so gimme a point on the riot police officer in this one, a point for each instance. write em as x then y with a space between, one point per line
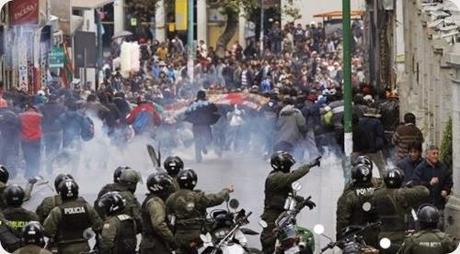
66 223
354 206
48 203
173 165
119 231
428 239
32 239
129 179
115 186
277 189
367 162
16 216
394 204
187 208
157 236
4 176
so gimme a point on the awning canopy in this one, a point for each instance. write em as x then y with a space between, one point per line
355 14
89 4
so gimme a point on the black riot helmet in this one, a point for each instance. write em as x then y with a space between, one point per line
361 174
160 183
428 216
68 190
130 178
112 203
173 165
4 174
393 178
187 179
282 161
363 160
61 178
117 173
14 195
33 233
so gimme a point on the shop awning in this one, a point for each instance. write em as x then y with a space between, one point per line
89 4
355 14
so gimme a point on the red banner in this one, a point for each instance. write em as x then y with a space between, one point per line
24 12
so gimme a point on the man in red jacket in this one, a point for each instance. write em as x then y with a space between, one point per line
31 134
143 117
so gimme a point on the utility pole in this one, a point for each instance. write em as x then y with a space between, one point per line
190 41
348 128
99 46
262 26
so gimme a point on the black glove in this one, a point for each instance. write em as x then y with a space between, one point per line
315 162
310 204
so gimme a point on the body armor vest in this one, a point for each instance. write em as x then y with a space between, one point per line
126 240
75 220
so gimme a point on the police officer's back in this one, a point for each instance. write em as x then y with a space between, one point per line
351 206
32 239
188 208
393 206
16 216
428 239
277 189
66 223
157 236
129 179
48 203
119 231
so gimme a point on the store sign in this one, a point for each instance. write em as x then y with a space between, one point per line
56 58
24 12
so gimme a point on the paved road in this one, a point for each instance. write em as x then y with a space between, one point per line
245 171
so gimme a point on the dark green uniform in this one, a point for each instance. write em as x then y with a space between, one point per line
118 235
133 209
350 212
277 189
31 249
157 236
45 207
67 222
189 208
394 208
17 218
429 241
376 183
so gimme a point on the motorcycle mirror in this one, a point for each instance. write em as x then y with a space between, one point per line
367 206
318 229
385 243
263 224
234 203
296 186
88 234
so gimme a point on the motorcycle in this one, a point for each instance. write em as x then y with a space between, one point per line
352 241
291 238
226 234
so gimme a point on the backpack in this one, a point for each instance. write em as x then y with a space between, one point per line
142 122
87 129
